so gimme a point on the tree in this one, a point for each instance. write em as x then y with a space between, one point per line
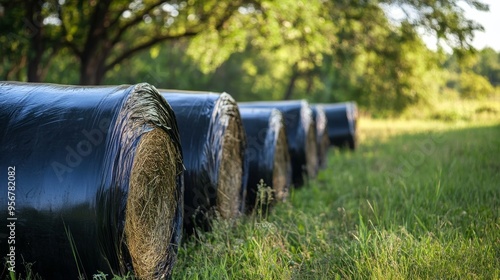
102 34
475 76
293 33
268 54
443 18
21 40
304 35
488 65
473 86
385 67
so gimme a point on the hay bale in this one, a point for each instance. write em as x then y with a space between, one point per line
321 134
342 123
267 153
213 143
98 175
301 134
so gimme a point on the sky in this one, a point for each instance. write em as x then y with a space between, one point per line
491 23
490 20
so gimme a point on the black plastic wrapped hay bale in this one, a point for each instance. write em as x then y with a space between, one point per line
96 177
213 142
321 134
342 119
301 134
267 153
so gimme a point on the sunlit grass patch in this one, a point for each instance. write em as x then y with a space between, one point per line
417 200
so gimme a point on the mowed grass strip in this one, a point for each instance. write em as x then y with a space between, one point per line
417 200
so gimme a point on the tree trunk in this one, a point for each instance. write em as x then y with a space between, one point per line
96 48
34 24
92 69
310 83
291 83
15 71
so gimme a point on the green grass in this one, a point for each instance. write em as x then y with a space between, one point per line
418 200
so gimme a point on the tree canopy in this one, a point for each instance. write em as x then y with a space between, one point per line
329 50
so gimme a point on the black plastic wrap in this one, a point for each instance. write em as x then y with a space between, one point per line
267 153
321 134
342 119
301 134
213 142
72 151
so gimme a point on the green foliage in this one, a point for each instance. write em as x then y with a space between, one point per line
488 65
14 41
103 276
364 58
386 71
290 38
450 107
473 86
64 71
254 49
473 76
24 273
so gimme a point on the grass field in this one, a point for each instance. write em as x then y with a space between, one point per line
417 200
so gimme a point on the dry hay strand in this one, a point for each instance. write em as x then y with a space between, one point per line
231 170
282 168
151 204
311 151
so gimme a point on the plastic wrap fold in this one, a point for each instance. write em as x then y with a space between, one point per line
90 165
321 134
213 142
301 134
342 119
267 153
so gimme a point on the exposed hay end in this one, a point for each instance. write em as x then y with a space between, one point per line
282 168
323 149
151 205
231 170
311 151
